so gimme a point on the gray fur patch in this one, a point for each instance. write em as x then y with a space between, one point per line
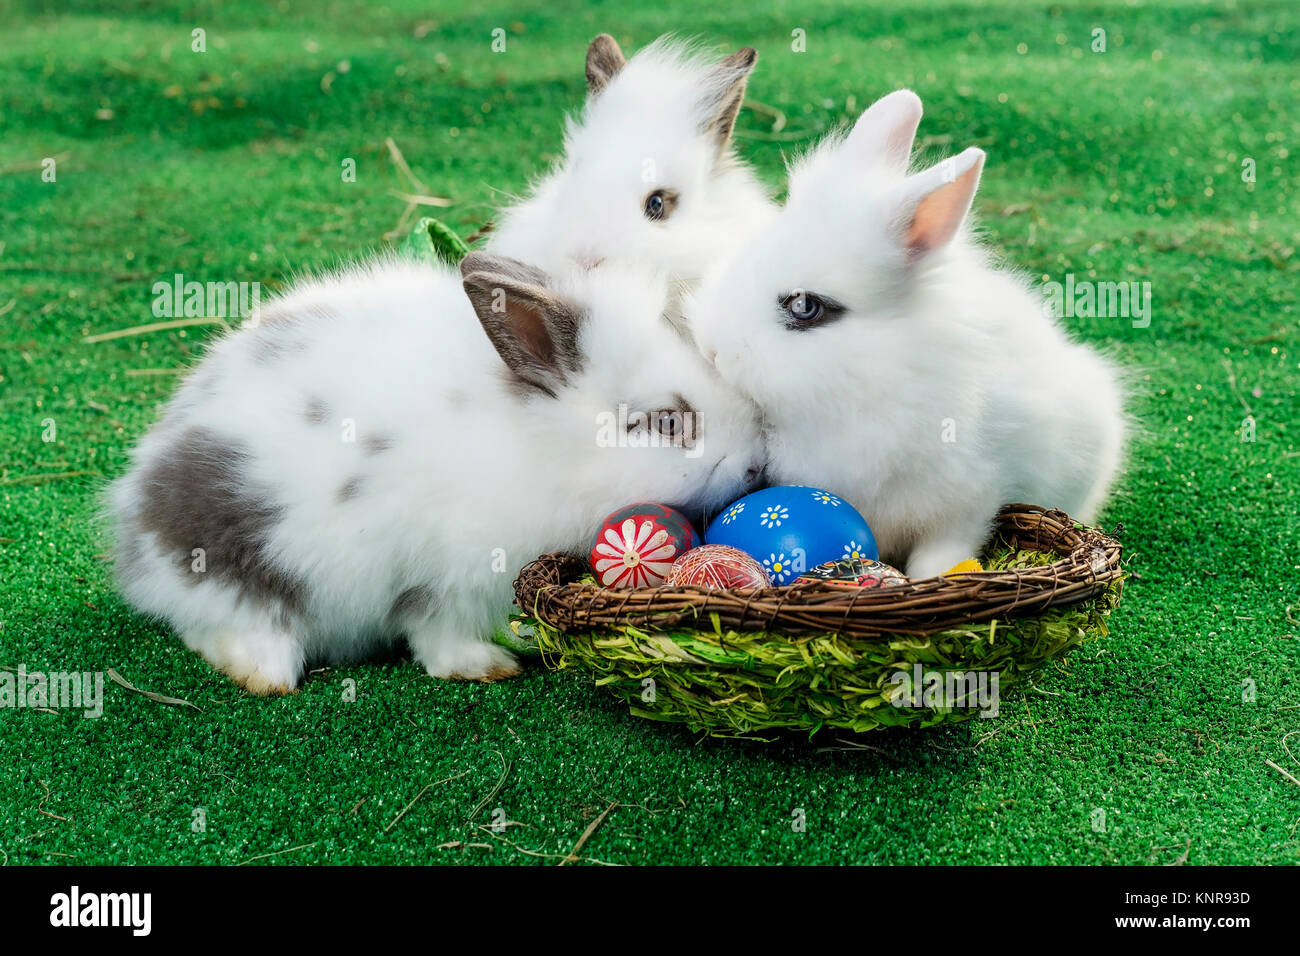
374 444
198 496
317 412
350 489
413 602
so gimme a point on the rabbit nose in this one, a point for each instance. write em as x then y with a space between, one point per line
754 476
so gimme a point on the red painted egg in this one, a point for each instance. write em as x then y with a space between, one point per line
637 545
718 566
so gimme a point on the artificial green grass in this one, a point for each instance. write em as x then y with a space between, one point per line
1123 165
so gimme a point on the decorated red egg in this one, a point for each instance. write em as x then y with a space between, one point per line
637 545
718 566
853 573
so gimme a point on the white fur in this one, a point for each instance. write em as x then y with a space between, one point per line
642 132
931 341
395 349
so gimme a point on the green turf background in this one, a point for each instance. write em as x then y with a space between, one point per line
1122 165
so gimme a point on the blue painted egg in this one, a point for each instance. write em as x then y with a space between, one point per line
790 529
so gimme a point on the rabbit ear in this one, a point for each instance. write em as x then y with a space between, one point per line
604 60
886 129
724 93
534 330
933 204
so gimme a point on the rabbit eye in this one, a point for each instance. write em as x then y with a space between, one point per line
659 204
670 424
807 310
677 426
804 307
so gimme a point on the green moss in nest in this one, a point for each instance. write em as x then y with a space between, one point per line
753 684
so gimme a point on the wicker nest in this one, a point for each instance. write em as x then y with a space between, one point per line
807 656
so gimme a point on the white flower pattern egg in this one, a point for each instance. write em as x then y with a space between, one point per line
792 528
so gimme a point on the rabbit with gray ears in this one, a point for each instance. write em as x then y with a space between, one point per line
648 173
896 364
365 465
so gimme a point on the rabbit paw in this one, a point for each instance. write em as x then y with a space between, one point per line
466 660
266 663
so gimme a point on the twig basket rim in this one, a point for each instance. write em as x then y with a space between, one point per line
1089 562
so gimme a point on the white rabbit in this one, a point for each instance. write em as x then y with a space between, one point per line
366 464
648 174
895 364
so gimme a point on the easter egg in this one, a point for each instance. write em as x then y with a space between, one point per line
964 567
853 573
790 528
637 545
718 566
